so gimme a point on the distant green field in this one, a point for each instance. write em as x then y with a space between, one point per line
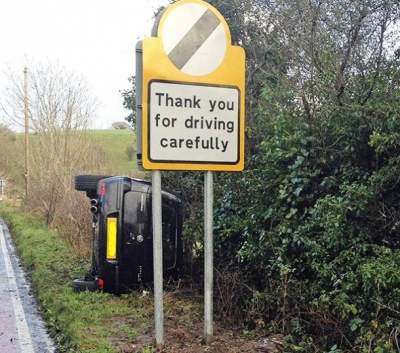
114 144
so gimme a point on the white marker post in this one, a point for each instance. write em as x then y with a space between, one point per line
1 189
157 257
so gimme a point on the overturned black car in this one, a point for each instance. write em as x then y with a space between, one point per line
122 250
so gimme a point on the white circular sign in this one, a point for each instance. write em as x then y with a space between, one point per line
194 39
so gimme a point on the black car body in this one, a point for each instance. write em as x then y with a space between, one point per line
123 234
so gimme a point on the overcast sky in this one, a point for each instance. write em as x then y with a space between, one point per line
94 38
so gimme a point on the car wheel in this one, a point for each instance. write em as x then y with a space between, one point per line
88 183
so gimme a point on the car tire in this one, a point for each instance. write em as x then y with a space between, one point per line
82 285
88 183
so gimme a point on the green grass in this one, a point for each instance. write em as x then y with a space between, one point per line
85 322
114 144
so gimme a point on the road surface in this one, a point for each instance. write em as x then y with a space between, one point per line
21 328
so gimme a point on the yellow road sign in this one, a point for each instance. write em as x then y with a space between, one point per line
193 92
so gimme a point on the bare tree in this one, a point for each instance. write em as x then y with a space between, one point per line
60 109
58 99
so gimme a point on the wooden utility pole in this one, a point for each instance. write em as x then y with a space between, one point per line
26 112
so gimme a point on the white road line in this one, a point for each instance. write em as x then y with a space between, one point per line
24 336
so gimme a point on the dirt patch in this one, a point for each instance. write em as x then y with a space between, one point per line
180 340
184 333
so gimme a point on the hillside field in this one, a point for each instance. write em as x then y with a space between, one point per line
114 143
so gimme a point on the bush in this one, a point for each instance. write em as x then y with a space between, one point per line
130 152
315 232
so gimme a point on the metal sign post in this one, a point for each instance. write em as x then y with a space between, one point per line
157 257
191 116
138 84
208 256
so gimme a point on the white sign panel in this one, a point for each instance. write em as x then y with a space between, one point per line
193 123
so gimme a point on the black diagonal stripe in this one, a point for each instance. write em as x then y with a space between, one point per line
194 39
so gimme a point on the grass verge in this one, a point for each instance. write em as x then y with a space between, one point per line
85 322
100 322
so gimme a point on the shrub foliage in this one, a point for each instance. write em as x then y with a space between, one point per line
307 237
